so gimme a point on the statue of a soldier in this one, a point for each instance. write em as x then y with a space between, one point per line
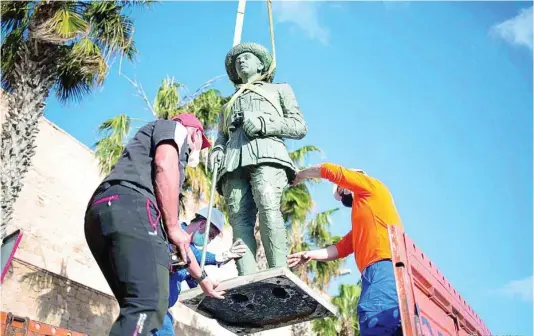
254 165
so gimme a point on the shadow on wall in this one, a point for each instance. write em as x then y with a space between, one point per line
70 305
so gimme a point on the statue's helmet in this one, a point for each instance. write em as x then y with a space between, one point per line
257 50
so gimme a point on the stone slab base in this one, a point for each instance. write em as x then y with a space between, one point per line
257 302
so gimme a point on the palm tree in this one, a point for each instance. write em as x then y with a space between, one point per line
346 323
64 46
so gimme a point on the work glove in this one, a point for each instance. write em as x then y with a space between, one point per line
253 126
215 156
237 250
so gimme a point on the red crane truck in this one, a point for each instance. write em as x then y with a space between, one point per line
429 305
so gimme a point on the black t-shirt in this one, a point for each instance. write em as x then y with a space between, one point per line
136 162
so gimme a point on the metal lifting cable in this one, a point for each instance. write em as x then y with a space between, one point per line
271 30
243 87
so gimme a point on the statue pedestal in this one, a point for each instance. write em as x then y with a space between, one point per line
257 302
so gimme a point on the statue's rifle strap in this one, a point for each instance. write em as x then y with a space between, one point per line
253 88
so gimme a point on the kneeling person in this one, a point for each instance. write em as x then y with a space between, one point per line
196 230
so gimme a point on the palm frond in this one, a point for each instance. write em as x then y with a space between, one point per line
72 82
110 29
116 128
15 15
11 47
318 228
323 272
299 155
58 22
109 148
90 60
137 3
296 203
66 24
326 326
167 99
346 323
206 106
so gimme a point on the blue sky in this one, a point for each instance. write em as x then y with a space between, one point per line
433 98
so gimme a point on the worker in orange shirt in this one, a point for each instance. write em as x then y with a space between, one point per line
373 210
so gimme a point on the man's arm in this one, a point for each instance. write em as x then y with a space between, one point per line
325 254
345 178
210 257
344 246
166 183
292 125
302 258
166 188
337 251
167 137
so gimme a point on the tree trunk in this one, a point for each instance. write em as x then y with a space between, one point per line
346 329
32 79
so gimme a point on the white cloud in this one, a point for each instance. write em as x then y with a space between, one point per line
521 289
304 15
517 30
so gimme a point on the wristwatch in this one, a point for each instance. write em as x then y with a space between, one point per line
203 276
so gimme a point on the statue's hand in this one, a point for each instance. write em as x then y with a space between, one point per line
252 126
215 157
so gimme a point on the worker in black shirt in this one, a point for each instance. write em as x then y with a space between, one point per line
134 213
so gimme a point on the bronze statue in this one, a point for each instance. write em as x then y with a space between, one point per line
254 162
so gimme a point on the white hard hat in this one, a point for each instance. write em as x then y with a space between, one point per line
337 196
217 217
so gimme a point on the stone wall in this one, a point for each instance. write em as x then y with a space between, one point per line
54 299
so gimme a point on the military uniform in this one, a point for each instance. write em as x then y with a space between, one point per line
255 169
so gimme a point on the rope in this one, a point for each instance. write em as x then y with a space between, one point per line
271 30
241 89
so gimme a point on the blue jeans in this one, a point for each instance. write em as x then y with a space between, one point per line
168 327
378 308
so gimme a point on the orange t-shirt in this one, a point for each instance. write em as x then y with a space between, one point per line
372 210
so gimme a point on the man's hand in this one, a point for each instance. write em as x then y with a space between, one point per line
298 259
181 240
210 289
252 126
312 172
215 157
298 179
237 250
